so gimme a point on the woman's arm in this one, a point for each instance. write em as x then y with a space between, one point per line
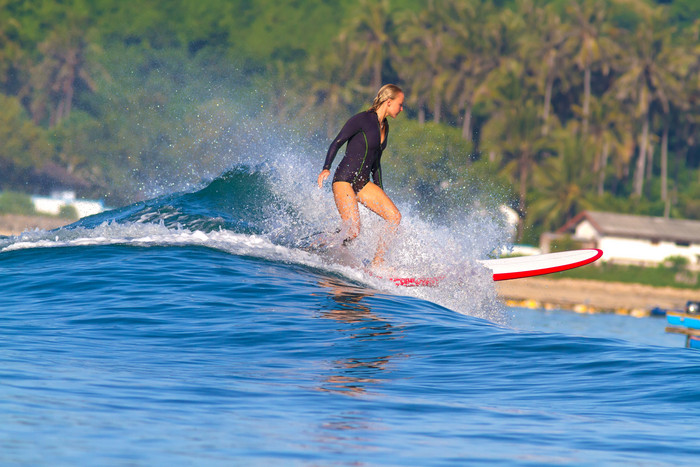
351 127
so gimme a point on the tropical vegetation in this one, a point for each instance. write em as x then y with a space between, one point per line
556 106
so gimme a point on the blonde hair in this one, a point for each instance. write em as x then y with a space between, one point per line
388 91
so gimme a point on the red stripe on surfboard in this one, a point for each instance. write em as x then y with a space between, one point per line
416 282
538 272
411 281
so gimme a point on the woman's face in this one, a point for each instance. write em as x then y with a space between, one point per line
395 106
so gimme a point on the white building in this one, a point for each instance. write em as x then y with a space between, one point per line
630 239
52 205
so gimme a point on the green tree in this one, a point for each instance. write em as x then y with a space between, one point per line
427 55
472 26
62 69
651 75
16 203
24 145
611 137
334 90
560 186
683 87
542 45
513 133
426 162
368 39
588 44
10 49
74 142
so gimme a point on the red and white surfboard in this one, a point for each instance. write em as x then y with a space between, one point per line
537 265
519 267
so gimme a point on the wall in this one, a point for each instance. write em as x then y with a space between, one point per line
637 251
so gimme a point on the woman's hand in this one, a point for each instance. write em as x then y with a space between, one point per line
322 176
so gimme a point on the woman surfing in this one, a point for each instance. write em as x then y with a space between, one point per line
366 137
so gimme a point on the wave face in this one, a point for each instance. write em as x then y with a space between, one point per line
203 327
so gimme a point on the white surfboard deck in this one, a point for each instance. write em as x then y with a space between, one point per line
537 265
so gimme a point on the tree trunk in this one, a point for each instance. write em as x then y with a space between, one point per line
586 100
524 169
467 124
664 163
650 160
639 173
377 75
69 83
437 107
548 96
54 114
68 90
603 165
596 161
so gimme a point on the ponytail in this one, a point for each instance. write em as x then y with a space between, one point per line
388 91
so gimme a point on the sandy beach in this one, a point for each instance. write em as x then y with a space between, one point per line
589 296
11 224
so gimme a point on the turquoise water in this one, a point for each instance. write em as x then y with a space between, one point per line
198 329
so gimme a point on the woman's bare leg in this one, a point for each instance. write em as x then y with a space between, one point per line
378 202
346 202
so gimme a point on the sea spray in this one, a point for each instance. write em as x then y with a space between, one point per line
262 211
447 247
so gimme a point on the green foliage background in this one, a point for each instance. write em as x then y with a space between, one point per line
16 203
551 106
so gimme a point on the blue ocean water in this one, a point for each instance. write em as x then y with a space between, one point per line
203 328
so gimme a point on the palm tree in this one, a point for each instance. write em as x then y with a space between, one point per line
542 45
331 91
560 184
424 56
471 24
685 109
283 89
10 50
513 131
588 43
368 38
610 136
23 144
63 67
652 75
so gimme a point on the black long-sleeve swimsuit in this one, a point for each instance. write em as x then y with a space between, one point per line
363 152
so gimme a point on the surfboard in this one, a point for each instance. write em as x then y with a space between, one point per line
538 265
519 267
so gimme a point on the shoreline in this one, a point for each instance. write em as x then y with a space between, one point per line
589 296
15 224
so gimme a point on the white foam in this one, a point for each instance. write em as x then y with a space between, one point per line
465 288
145 235
419 249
